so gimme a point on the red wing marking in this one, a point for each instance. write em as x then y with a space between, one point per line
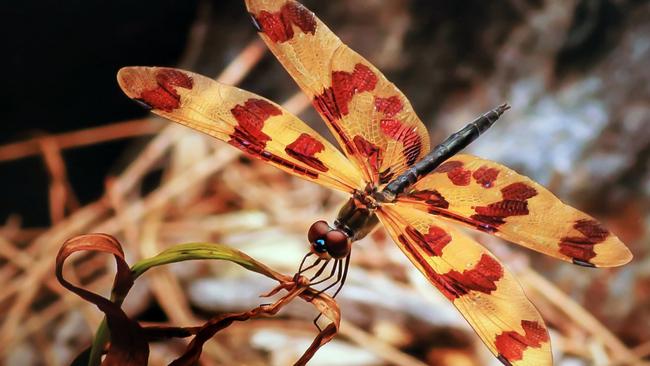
482 277
278 26
165 97
436 204
453 284
369 151
514 203
430 197
499 210
455 172
304 149
485 176
448 166
392 128
267 156
251 117
335 99
432 243
326 105
396 130
345 85
300 16
248 135
459 176
406 135
518 191
389 106
170 77
511 345
582 247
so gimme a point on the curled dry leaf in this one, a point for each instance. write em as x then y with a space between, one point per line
129 341
128 344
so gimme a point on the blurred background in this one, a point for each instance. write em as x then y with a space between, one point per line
76 156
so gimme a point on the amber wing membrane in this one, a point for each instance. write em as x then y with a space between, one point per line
247 121
480 287
490 197
371 119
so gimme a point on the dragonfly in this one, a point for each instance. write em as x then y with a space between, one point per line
421 195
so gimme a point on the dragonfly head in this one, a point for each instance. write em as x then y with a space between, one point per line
328 242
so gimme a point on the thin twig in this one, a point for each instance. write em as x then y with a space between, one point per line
89 136
61 194
197 35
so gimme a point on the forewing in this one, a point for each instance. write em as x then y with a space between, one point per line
246 121
371 119
493 198
480 287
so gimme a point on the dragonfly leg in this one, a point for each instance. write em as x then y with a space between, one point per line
345 275
303 261
332 272
339 274
302 270
316 322
342 275
320 271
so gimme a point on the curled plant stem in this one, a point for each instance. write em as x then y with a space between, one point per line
129 345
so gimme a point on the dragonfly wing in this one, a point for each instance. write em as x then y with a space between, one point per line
481 288
490 197
247 121
369 116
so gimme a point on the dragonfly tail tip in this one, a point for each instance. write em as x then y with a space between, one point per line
502 108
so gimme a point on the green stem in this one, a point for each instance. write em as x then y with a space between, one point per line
101 338
178 253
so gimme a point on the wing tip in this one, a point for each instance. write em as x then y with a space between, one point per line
155 87
126 79
623 257
504 360
125 71
614 254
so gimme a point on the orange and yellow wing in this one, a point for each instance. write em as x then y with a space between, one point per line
371 119
247 121
480 287
493 198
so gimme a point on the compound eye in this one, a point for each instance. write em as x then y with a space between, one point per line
320 246
338 244
318 231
